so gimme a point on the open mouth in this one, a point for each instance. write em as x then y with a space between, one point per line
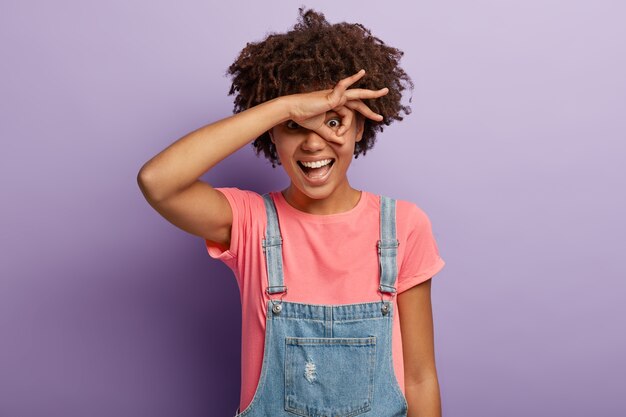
316 172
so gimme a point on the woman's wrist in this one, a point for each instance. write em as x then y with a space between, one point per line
284 106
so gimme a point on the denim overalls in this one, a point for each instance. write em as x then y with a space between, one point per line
328 360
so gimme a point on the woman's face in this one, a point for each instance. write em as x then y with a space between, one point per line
295 144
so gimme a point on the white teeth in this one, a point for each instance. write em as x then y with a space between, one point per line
316 164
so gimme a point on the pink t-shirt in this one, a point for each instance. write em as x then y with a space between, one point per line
327 259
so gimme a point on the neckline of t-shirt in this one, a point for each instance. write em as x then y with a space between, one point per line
280 201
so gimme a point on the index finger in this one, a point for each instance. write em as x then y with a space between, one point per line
343 84
362 108
359 93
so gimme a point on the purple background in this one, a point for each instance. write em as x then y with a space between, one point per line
515 149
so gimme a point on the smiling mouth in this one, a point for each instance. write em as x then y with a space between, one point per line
316 172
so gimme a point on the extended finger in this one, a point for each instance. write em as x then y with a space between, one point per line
359 93
362 108
348 81
344 83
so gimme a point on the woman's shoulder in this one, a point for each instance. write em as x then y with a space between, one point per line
407 212
243 200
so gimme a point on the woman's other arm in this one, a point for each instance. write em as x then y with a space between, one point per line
420 374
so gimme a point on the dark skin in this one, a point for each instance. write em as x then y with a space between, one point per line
314 55
420 373
170 183
414 304
325 124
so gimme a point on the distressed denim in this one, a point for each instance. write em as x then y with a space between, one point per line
328 360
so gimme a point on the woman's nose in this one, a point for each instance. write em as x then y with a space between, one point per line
313 141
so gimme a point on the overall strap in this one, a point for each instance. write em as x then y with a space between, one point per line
273 249
388 245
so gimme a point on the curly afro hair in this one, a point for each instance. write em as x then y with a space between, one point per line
316 55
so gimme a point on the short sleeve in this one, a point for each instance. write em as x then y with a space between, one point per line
240 204
421 259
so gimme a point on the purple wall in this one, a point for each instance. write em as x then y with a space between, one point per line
515 149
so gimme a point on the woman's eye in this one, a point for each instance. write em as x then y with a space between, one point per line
334 123
292 125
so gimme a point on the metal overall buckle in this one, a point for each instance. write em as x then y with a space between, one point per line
276 306
386 304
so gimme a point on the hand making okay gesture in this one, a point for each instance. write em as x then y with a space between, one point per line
309 109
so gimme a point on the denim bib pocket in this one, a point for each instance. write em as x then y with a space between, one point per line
329 377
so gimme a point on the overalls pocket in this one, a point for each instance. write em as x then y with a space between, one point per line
329 377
